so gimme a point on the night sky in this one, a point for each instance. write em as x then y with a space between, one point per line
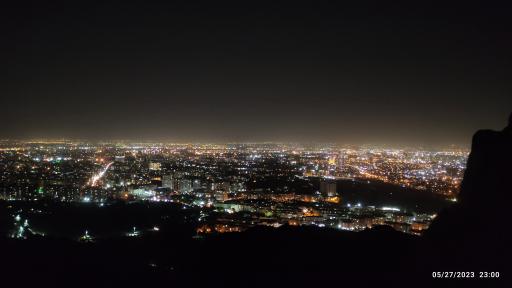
354 72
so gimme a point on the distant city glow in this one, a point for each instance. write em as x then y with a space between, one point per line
271 184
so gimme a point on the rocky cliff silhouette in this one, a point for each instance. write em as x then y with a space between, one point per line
476 228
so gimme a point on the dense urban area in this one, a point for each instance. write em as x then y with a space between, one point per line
222 188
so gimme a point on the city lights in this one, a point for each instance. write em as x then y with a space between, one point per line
272 183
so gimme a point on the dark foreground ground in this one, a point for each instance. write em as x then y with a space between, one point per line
287 257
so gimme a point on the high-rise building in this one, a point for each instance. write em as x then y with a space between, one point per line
328 187
168 181
183 185
341 160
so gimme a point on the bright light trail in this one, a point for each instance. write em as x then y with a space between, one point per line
94 180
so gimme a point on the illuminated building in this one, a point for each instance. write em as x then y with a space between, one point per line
168 181
328 187
221 196
155 166
196 184
184 185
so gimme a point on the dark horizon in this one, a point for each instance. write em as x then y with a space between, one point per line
366 72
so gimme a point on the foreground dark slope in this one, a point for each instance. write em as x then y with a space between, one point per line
469 236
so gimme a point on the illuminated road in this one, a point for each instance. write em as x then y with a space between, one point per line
94 180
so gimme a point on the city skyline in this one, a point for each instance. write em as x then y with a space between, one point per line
323 186
8 144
